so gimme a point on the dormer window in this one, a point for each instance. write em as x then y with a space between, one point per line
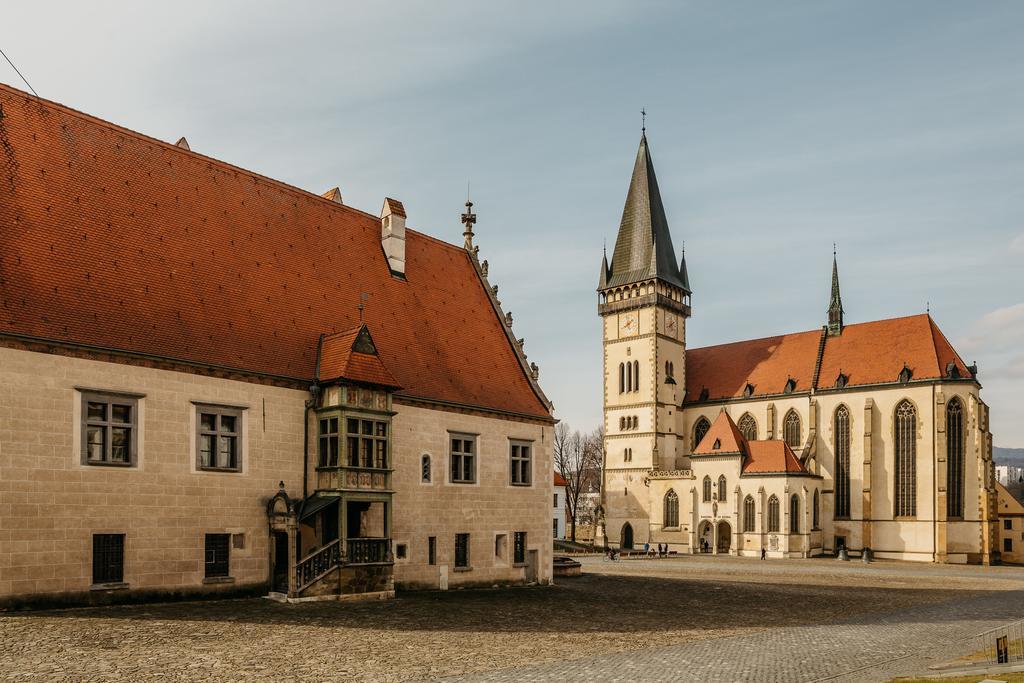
704 394
905 374
841 380
748 390
952 370
790 386
717 445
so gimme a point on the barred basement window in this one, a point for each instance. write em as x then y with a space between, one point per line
906 459
671 509
519 547
707 489
425 469
721 489
955 459
329 445
700 430
794 514
463 459
791 429
367 442
109 429
748 427
107 558
218 438
521 464
217 555
462 551
773 515
842 456
749 519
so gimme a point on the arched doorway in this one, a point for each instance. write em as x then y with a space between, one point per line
627 537
704 537
724 537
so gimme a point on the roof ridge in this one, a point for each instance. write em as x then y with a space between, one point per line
935 329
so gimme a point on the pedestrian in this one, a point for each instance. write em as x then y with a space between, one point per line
764 552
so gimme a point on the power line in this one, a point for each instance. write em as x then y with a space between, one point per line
19 73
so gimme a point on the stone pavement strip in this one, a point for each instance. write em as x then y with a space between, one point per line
871 647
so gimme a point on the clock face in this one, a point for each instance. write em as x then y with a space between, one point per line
670 325
628 323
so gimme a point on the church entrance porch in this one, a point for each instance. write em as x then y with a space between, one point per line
724 538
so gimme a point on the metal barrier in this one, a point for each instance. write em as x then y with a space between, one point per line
1000 645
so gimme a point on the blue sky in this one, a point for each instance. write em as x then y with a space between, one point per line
894 129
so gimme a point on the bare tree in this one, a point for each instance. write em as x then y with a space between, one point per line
578 460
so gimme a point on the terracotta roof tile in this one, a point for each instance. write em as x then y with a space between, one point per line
341 358
560 480
722 438
112 239
771 457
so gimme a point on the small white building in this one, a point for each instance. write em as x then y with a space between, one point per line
558 513
1009 474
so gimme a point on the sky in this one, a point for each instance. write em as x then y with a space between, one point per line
895 130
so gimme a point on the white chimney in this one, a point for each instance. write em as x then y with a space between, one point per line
392 234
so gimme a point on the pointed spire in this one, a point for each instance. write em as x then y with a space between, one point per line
643 248
835 304
683 275
603 282
468 221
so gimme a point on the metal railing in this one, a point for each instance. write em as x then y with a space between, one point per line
317 564
368 550
1000 645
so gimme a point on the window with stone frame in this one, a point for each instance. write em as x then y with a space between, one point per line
366 443
794 514
463 458
816 512
521 463
218 556
707 489
461 551
432 550
842 458
109 429
773 515
955 459
218 438
721 489
791 429
700 429
425 473
748 427
329 452
519 547
671 520
749 520
905 452
107 558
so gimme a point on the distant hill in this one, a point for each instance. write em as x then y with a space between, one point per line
1008 456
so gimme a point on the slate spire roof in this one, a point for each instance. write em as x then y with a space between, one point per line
643 248
835 302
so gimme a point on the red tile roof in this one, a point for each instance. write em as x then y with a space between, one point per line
560 480
722 437
342 356
112 239
867 353
771 457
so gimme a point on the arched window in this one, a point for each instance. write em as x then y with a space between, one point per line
622 423
425 467
629 377
773 515
815 514
671 509
707 489
905 441
721 489
791 429
842 453
749 521
622 378
794 514
699 430
748 427
636 375
955 458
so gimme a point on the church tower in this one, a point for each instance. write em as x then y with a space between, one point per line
643 301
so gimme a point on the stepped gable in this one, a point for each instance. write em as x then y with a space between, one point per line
116 241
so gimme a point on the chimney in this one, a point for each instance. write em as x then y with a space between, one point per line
392 235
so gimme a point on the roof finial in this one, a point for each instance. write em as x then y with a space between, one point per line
643 121
468 220
928 307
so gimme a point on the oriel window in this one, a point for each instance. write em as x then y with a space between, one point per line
367 443
329 442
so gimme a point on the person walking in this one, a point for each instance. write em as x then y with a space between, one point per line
764 552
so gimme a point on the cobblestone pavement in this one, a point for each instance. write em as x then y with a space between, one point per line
691 618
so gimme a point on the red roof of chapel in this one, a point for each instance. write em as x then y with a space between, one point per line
759 457
112 239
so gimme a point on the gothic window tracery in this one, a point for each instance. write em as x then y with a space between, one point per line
794 514
748 514
748 427
842 455
700 429
791 429
671 509
773 515
955 458
707 489
905 443
721 488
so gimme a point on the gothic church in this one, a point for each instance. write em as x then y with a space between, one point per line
870 436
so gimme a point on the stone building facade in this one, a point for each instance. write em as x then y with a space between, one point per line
214 383
870 435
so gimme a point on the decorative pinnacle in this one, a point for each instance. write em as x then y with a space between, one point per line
468 220
643 121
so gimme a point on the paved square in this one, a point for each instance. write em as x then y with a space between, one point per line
688 618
